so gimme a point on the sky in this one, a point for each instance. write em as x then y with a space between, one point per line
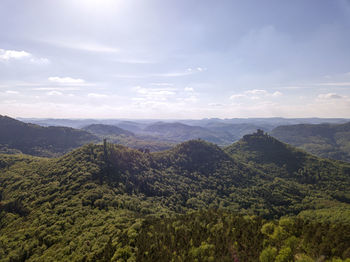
174 59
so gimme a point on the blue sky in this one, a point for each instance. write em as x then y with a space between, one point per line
174 58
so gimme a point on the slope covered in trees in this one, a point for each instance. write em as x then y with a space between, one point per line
100 129
324 140
117 135
102 202
16 136
179 132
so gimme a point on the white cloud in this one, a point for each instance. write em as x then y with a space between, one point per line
7 55
216 104
237 96
277 93
56 89
134 61
161 84
13 54
256 94
11 92
54 93
192 99
96 95
189 89
175 74
155 94
330 96
66 80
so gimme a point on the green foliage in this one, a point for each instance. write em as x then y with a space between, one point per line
324 140
268 254
16 136
112 203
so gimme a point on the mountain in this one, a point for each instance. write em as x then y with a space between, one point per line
104 130
32 139
235 131
324 140
117 135
109 203
179 132
132 126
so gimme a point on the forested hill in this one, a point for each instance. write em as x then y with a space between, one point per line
179 132
98 202
16 137
100 129
324 140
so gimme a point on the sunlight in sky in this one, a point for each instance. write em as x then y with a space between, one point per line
152 59
99 7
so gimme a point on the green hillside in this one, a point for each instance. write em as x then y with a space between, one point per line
127 138
16 136
100 129
110 203
324 140
178 132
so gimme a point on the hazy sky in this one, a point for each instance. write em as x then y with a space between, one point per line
174 58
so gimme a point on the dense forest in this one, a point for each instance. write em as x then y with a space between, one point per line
324 140
20 137
258 199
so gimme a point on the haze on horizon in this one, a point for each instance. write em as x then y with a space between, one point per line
174 59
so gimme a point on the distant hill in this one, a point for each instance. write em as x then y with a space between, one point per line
234 132
324 140
117 135
179 132
100 129
16 136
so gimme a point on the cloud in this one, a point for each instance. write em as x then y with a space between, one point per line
236 96
135 61
191 98
7 55
54 93
11 92
66 80
85 46
161 84
187 72
13 54
277 93
56 89
335 84
189 89
216 104
329 96
256 94
96 95
154 94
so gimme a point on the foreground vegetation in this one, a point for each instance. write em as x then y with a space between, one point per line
195 202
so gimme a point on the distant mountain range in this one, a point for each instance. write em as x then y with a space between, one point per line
268 123
329 140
